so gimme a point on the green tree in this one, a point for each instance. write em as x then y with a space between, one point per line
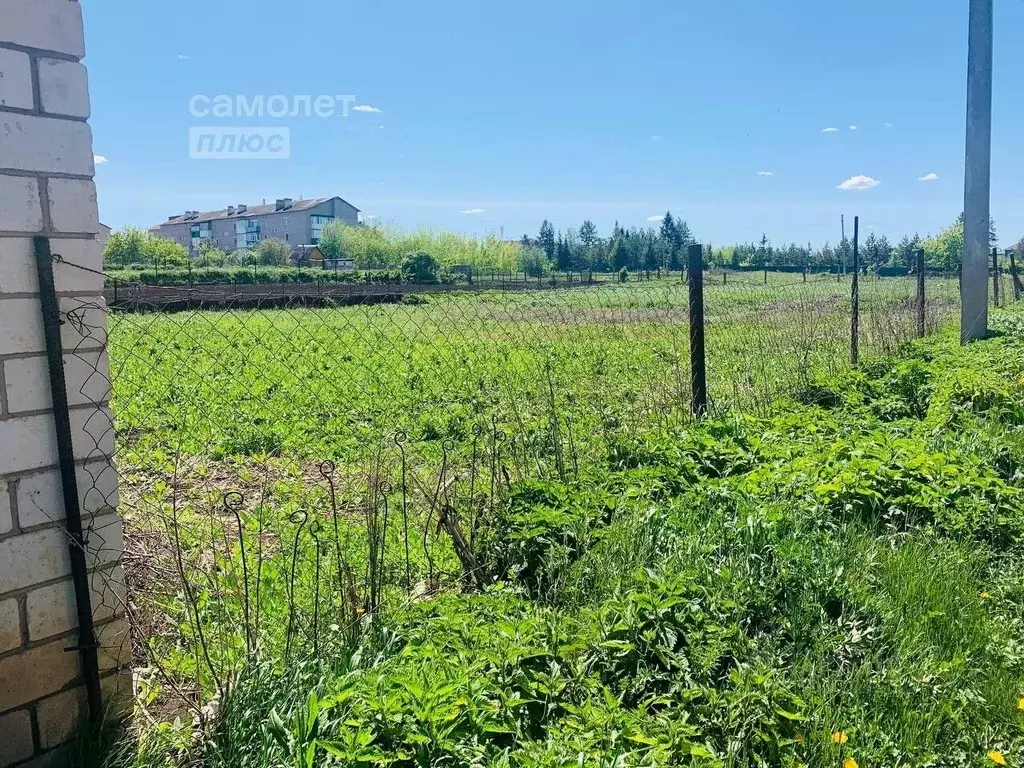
905 252
683 235
534 262
547 239
563 255
332 240
420 267
588 234
210 255
617 255
272 252
134 247
670 239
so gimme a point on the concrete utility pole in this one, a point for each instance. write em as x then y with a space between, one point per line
977 175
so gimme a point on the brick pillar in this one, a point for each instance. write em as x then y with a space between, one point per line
46 188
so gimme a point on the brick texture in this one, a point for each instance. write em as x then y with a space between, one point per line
35 673
51 610
41 501
10 626
28 381
33 558
45 145
15 80
18 266
20 208
6 513
15 737
63 87
21 327
73 203
59 715
53 25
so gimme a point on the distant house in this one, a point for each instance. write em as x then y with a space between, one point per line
340 265
307 256
297 222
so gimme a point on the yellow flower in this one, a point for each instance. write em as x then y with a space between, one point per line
1020 705
800 737
850 763
985 596
997 757
839 737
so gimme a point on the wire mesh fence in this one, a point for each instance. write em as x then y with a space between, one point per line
289 468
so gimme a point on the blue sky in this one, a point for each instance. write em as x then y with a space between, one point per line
564 110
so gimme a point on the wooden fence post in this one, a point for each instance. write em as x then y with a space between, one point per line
698 365
855 297
995 276
1018 288
920 294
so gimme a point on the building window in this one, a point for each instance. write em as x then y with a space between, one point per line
199 232
247 232
316 227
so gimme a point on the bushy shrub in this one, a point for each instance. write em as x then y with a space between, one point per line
420 267
273 252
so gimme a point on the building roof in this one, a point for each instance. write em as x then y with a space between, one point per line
251 211
305 251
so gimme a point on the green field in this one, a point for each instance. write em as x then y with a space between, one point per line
828 569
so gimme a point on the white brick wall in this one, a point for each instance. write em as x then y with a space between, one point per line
18 266
33 558
10 625
20 209
28 381
6 513
45 144
73 204
15 79
40 500
36 673
51 25
51 610
63 87
17 741
46 188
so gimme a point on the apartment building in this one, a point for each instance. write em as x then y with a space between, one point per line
298 222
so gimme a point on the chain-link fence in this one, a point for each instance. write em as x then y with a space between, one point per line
290 465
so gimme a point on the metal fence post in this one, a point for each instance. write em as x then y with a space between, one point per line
920 293
855 297
698 365
86 643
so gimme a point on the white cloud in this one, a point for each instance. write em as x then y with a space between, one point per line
859 183
766 173
656 137
656 218
99 160
183 57
366 108
830 129
930 177
474 211
853 127
889 125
